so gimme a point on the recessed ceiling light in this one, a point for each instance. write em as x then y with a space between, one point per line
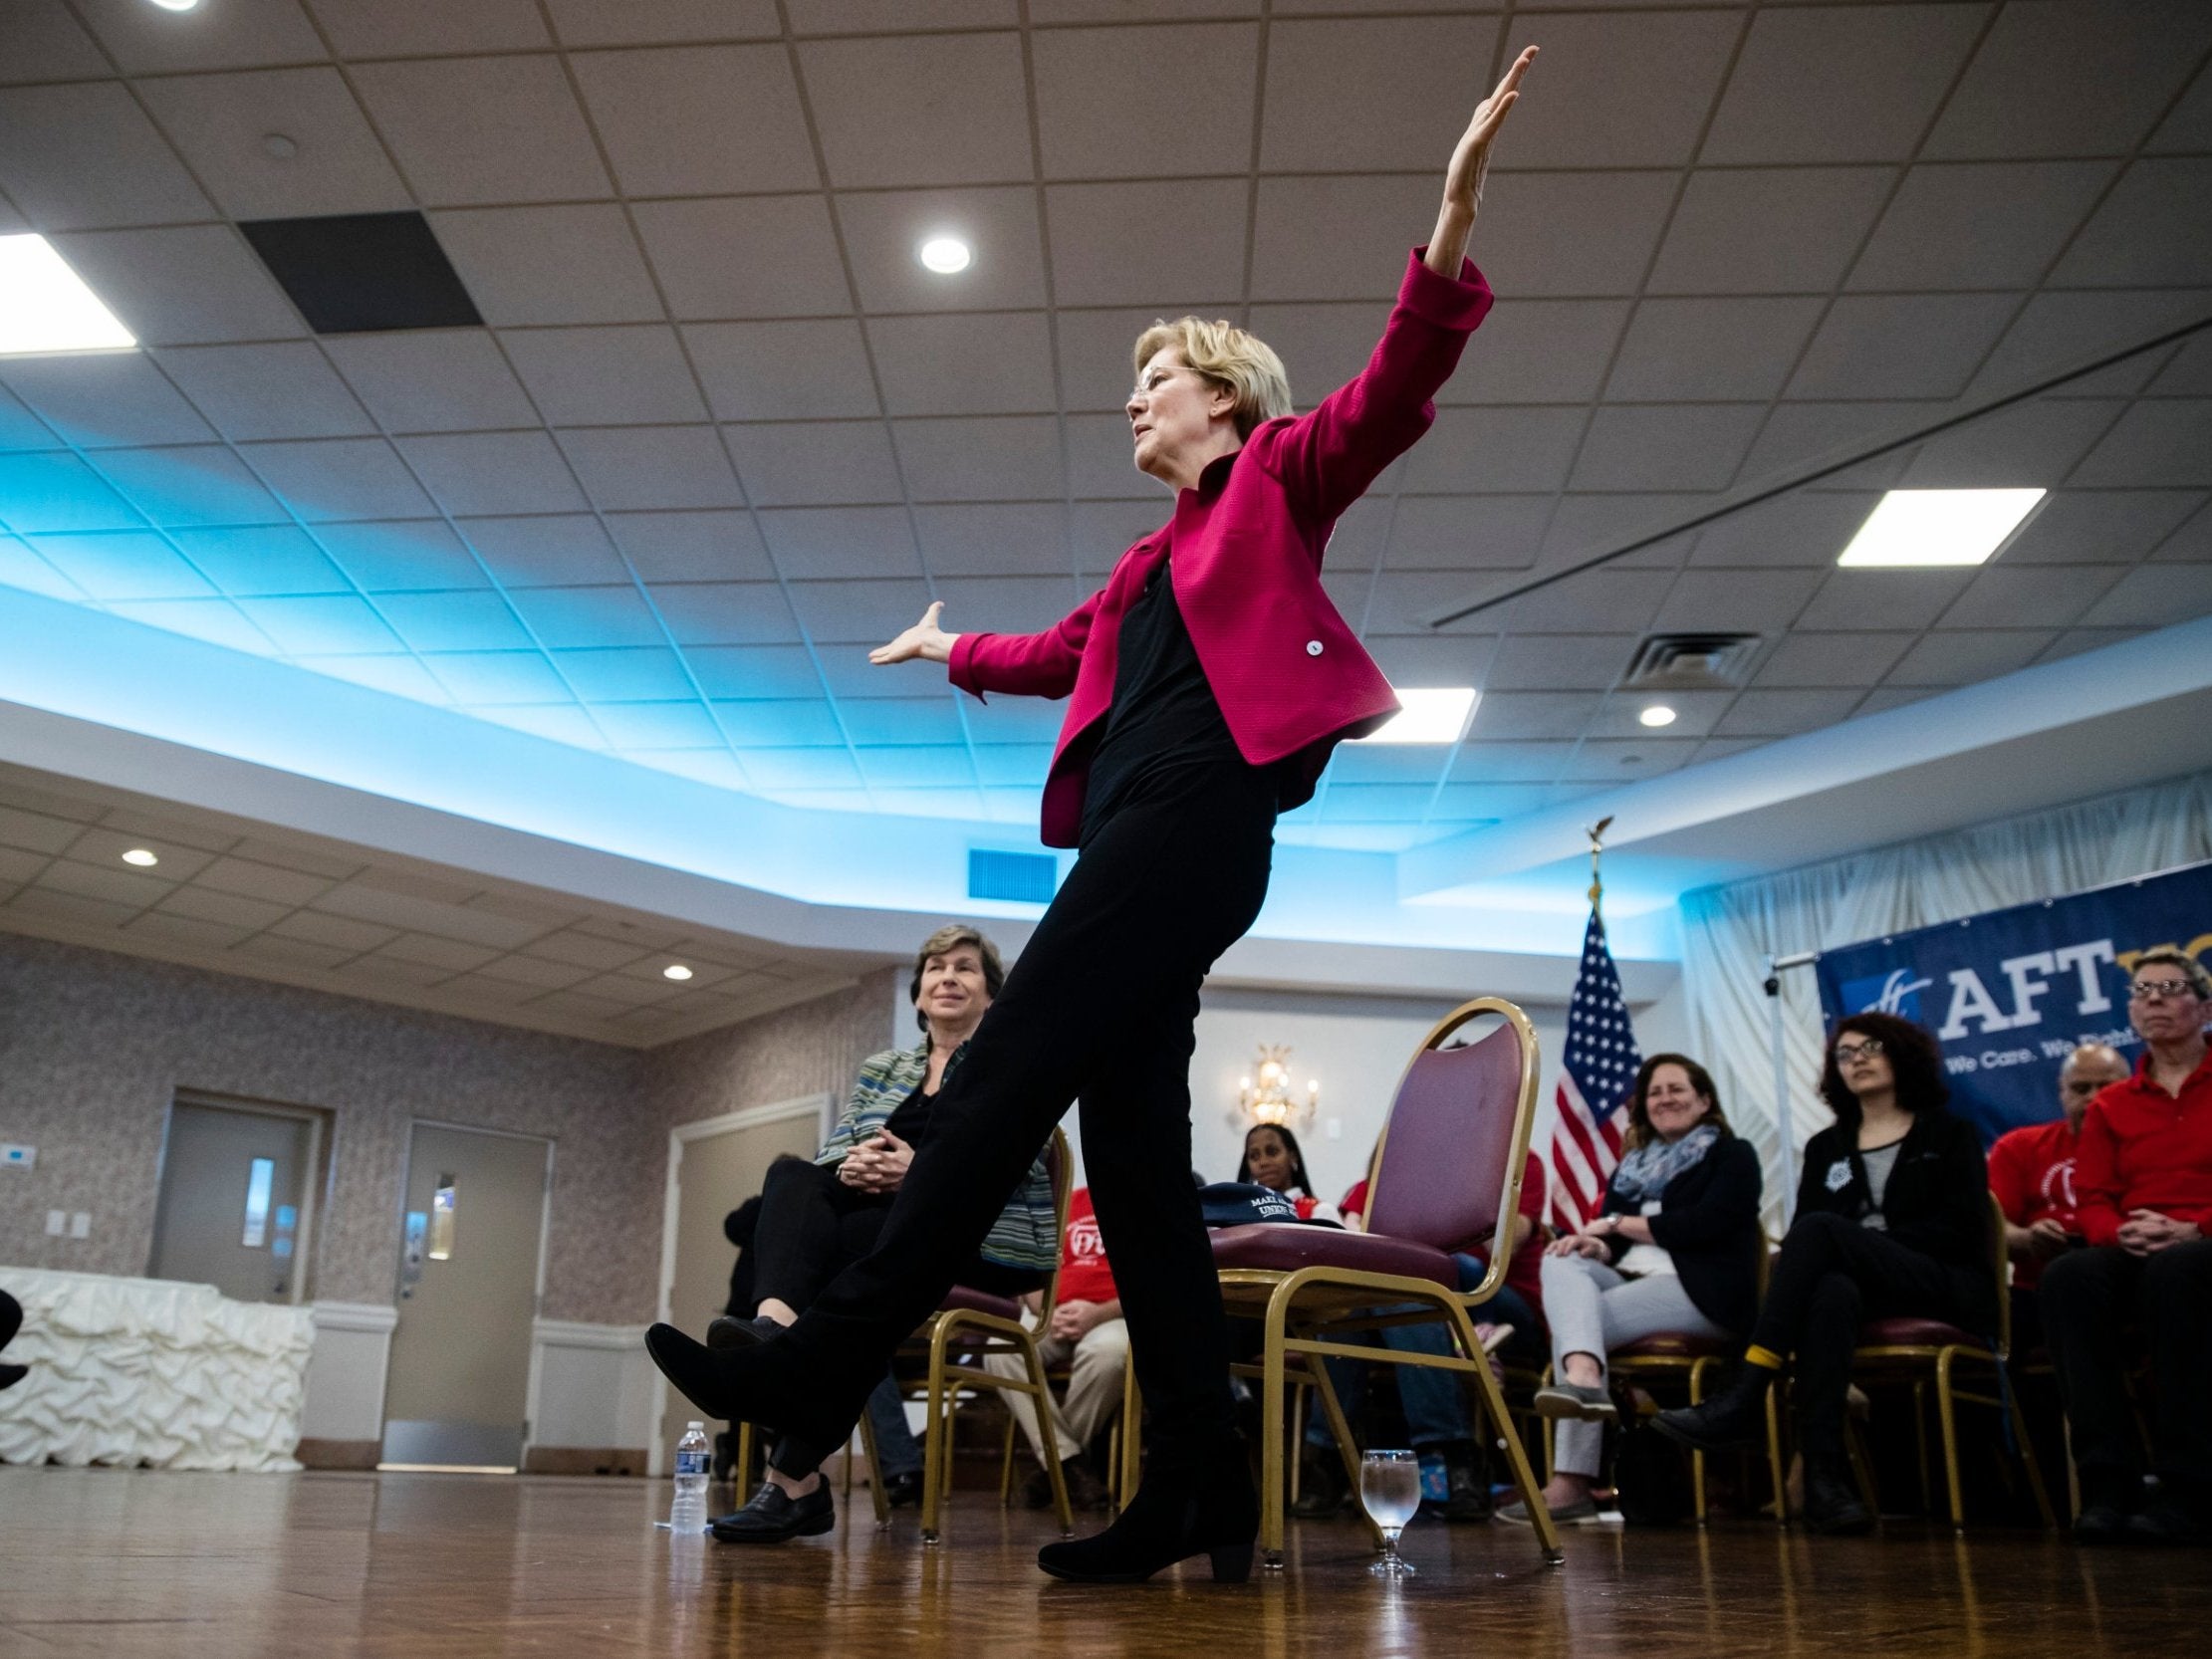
144 858
279 147
177 5
46 307
1656 714
1939 527
675 970
1438 715
946 254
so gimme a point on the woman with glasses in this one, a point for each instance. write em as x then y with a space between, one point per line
2142 1186
1207 683
1892 1221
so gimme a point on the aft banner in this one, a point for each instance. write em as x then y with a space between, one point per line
2010 992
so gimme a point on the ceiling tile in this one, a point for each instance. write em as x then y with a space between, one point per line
1105 110
223 909
994 538
2190 127
2018 98
45 43
1312 126
822 542
1508 762
1432 659
419 28
823 461
1533 714
1658 446
2155 595
453 126
1535 352
1561 235
856 613
1017 457
1620 90
1833 659
664 728
202 484
1323 347
2187 374
2030 445
1560 662
2074 641
1903 346
392 670
743 257
2005 596
340 478
1778 713
782 370
1960 656
190 286
726 613
1599 601
2158 443
765 726
331 623
625 23
500 253
240 34
218 621
698 120
991 364
610 376
1833 435
1680 350
263 882
157 928
481 679
2190 543
639 467
2100 527
265 559
1467 532
422 555
1345 238
1113 245
1587 524
494 472
691 547
218 122
585 618
2059 330
764 672
1981 226
60 492
435 380
102 400
558 551
919 110
285 390
128 565
1839 84
1011 605
883 232
2152 231
83 157
1768 231
1495 449
20 429
1853 600
1737 601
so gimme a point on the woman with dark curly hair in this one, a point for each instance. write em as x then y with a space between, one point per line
1892 1221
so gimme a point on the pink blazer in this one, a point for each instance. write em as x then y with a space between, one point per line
1290 675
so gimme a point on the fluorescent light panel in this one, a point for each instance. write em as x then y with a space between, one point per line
1916 528
1432 716
46 307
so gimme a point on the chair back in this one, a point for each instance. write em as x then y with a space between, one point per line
1457 1137
1060 1169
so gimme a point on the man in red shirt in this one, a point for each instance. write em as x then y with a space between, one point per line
2031 1171
1088 1337
2143 1181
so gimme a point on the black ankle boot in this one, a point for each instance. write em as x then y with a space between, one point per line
1207 1509
1833 1506
754 1383
1736 1416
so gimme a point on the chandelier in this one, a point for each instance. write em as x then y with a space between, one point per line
1266 1095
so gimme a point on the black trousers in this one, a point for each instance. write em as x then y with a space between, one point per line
1101 1006
1832 1277
11 1318
2092 1301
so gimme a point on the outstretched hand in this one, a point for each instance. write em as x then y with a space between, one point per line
1470 162
926 639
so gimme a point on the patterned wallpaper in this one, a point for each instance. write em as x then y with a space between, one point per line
93 1047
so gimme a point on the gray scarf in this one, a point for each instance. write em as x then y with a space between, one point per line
1644 1173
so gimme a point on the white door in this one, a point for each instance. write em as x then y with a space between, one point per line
235 1202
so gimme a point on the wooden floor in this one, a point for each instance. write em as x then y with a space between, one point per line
450 1566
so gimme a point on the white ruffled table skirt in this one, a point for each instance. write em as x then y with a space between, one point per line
129 1371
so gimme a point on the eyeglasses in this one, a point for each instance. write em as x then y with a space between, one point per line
2144 990
1845 1053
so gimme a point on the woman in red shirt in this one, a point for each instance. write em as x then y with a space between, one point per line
1207 683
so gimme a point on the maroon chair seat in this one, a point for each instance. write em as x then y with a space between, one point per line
1913 1332
1288 1245
1671 1344
960 1296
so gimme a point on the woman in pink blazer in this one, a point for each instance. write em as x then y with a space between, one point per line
1207 683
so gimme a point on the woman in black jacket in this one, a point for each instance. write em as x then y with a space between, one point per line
1674 1248
1892 1221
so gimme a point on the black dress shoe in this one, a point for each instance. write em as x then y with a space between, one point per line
1207 1509
902 1491
773 1515
1833 1506
2170 1521
1736 1416
1085 1490
726 1333
2108 1502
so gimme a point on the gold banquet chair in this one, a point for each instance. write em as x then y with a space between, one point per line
1920 1351
1448 1169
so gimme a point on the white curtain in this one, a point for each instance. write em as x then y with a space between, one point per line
1728 933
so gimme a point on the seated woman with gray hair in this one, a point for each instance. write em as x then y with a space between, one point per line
817 1219
1673 1250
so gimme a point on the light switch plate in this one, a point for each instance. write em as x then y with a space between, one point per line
18 1157
81 1224
57 1222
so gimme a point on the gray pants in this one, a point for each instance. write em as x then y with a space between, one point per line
1094 1385
1592 1308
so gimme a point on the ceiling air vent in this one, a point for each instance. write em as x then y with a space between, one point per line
1691 662
1028 878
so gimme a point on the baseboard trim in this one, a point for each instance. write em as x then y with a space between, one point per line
340 1454
584 1460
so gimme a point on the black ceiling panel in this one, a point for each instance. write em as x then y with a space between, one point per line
359 273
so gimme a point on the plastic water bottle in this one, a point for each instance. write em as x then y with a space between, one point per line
687 1512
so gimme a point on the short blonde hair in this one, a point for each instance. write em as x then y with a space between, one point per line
1229 356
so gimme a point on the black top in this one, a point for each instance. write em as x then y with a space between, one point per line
1164 721
1936 1201
1708 1221
911 1121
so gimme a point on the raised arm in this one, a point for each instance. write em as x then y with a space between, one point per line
1455 218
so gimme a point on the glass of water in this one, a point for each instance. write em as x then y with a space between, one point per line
1391 1492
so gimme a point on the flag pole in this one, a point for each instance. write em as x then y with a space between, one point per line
1597 834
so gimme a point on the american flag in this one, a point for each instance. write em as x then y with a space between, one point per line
1596 1073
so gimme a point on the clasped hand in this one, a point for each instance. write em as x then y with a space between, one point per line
2146 1232
877 1165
